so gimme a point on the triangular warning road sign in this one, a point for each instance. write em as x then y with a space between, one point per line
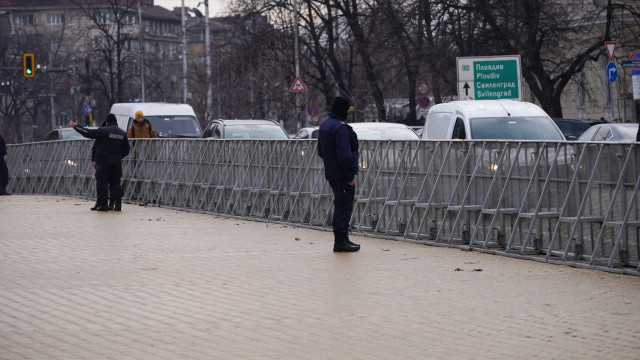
611 48
298 86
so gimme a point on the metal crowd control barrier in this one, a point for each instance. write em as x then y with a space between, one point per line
557 202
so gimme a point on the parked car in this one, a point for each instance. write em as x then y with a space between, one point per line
244 129
417 129
573 128
63 133
311 132
168 120
614 132
489 119
383 131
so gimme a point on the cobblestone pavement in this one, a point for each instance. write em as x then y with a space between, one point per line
155 283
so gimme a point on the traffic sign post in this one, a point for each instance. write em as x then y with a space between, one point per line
635 57
611 48
635 83
630 63
298 86
424 102
612 72
313 110
489 77
423 88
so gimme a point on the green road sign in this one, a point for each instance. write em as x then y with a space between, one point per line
489 78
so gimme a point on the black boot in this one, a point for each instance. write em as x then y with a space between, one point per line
96 206
103 205
112 203
352 243
343 244
117 205
3 191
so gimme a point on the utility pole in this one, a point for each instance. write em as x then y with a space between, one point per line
207 39
141 45
297 59
184 56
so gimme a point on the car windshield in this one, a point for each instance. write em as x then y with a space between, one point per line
572 127
514 128
255 131
382 133
175 126
628 132
70 134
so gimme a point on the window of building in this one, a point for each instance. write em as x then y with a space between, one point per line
129 19
133 45
55 19
103 17
99 42
24 20
195 36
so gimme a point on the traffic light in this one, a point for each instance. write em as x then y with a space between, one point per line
28 65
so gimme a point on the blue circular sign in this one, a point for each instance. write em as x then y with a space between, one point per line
612 72
313 110
88 109
424 102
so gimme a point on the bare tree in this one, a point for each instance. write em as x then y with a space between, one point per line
31 106
110 31
556 40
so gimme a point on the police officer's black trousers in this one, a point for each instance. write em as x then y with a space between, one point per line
343 195
108 181
4 173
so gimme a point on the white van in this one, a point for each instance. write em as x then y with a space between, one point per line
168 120
489 119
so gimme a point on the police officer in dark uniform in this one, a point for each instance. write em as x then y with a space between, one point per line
111 146
338 148
4 170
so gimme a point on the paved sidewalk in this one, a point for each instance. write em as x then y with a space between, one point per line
154 283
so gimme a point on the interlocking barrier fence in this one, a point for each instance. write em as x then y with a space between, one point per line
558 202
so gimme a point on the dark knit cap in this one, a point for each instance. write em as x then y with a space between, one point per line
111 119
340 107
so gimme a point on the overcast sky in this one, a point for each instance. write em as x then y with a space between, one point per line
215 6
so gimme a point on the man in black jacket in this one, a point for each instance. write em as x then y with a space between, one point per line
111 146
4 171
338 148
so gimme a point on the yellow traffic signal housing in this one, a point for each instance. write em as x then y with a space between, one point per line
28 65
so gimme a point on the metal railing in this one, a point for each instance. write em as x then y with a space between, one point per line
558 202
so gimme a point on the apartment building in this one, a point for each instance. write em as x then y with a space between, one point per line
89 53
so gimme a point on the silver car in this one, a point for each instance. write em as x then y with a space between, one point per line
611 132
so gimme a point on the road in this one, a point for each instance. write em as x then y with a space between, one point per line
155 283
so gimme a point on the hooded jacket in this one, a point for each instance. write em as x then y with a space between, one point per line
338 148
144 130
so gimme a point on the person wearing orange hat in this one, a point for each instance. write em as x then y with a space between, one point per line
141 128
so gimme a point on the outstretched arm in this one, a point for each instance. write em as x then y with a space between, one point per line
84 132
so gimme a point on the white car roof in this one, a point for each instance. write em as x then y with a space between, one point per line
373 125
247 122
151 109
490 108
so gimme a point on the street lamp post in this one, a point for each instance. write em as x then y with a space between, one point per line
297 59
207 40
141 45
184 56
